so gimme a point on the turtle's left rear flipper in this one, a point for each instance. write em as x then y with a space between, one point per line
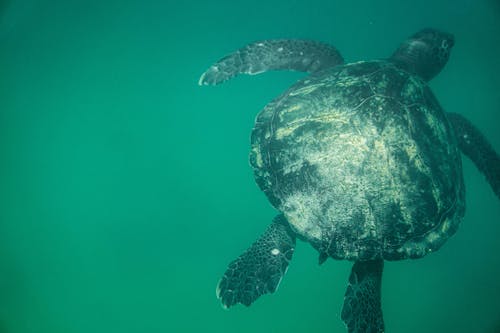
260 268
362 310
473 144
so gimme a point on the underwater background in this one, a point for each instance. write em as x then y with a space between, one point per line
125 188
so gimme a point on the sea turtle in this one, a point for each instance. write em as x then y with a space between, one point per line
360 160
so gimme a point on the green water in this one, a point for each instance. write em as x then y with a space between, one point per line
126 190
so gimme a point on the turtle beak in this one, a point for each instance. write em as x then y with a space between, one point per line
450 40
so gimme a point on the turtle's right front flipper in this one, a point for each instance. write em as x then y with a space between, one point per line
278 54
473 144
260 268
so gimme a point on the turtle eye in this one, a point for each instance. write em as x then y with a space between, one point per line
444 44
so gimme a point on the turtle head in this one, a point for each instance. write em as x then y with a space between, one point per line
425 53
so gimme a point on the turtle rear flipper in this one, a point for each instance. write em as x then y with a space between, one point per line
277 54
362 310
473 144
260 268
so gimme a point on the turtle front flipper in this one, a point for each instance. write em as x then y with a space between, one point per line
277 54
260 268
362 310
473 144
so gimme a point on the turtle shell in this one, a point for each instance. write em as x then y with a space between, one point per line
362 161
